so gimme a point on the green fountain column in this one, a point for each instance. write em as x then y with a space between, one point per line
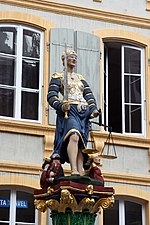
73 218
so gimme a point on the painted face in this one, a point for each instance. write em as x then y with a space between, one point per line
96 160
71 60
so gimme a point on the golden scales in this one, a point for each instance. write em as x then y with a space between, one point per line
108 150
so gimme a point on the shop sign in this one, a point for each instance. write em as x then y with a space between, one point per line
4 202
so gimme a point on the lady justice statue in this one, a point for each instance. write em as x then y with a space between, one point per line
73 113
80 199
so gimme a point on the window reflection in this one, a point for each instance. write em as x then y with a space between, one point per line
30 74
133 119
112 214
132 61
21 213
19 72
29 106
31 44
4 206
7 40
133 212
26 211
6 102
7 70
123 213
132 89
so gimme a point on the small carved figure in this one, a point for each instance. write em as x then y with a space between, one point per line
52 170
92 169
66 197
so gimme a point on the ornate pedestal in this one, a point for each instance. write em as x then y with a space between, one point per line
74 200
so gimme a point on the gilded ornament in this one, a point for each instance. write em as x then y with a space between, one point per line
104 203
52 204
50 190
86 203
40 205
89 189
66 197
107 202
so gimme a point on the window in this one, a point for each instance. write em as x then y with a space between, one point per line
124 88
20 72
17 208
125 212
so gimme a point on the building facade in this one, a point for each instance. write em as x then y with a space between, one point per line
112 40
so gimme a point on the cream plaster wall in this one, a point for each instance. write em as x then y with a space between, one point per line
79 23
21 148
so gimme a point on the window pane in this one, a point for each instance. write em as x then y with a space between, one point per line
111 215
31 44
133 119
25 211
6 102
132 89
7 68
30 74
133 213
25 223
132 61
4 205
3 223
8 40
29 106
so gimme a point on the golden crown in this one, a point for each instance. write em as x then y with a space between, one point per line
67 53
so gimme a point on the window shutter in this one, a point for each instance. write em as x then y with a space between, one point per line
58 38
87 47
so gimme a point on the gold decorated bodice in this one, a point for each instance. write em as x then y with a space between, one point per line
75 87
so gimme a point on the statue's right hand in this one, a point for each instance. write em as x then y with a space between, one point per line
65 107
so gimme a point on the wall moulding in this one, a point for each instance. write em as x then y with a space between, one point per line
123 35
25 18
26 128
15 167
48 131
83 12
22 181
148 5
123 140
134 192
126 178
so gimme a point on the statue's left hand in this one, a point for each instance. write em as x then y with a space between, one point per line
94 114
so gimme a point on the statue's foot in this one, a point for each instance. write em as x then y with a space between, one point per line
75 173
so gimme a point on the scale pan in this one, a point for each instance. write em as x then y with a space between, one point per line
89 151
109 156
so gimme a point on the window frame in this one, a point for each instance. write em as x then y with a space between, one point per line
121 207
142 90
19 60
12 211
105 87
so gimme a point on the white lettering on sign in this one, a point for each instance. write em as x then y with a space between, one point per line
4 203
22 204
19 203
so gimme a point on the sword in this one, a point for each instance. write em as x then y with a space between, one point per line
65 99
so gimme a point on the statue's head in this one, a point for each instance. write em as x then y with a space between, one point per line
68 53
55 156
